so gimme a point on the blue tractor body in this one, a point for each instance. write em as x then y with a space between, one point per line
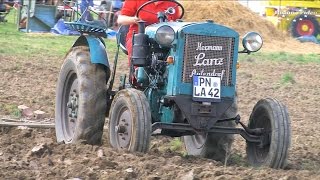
97 48
192 40
176 83
195 49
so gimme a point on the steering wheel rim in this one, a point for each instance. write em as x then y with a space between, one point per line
152 1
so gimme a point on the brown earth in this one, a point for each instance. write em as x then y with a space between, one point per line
256 79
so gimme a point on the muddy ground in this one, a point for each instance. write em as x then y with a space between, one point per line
32 82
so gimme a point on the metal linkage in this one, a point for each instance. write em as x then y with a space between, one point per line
246 135
251 135
256 131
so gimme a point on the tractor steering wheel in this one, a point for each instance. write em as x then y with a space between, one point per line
170 10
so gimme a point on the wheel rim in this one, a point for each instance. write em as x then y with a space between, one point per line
70 106
305 27
199 140
262 152
123 129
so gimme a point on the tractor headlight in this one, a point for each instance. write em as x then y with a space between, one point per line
252 42
165 35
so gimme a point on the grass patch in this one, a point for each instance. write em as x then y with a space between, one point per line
28 45
11 109
237 159
176 145
310 165
16 43
287 78
281 57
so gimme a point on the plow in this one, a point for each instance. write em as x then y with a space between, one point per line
8 122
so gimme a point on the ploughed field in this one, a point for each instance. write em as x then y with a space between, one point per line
28 75
31 81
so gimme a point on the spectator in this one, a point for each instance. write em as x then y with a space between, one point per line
86 4
116 5
106 7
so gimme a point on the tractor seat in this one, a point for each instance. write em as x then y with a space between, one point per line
122 36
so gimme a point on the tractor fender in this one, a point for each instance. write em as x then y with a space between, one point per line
98 53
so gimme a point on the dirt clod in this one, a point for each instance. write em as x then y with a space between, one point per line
39 114
25 111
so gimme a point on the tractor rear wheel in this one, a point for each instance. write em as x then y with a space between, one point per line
130 121
80 99
271 115
303 25
212 145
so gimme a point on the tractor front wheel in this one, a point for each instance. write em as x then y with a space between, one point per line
130 121
80 99
272 116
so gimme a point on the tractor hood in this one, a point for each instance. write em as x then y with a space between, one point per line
201 28
176 26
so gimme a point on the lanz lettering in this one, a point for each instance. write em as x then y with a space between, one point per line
208 48
201 61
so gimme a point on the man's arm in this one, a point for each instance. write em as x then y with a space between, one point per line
128 12
127 20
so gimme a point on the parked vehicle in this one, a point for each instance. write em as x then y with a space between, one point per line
300 18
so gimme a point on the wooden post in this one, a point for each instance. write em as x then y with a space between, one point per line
109 17
19 15
28 17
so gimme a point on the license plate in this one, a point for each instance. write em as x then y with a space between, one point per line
206 88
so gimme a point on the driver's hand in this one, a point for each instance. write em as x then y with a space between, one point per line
135 19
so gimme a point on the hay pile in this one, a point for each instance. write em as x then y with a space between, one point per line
243 20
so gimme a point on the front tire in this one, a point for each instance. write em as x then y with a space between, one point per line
130 121
80 99
273 116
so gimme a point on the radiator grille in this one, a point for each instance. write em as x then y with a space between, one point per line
208 56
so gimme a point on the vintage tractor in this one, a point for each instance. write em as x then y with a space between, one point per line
185 87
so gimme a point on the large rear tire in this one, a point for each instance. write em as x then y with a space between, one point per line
130 121
273 116
80 99
303 25
212 145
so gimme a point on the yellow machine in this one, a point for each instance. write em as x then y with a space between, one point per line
300 18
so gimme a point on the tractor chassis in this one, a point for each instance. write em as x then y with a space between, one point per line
257 135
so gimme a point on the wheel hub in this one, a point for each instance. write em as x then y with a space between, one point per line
305 28
71 108
120 129
123 129
73 104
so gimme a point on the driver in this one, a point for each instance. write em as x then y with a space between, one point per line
128 16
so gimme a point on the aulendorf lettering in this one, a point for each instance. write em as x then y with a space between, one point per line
202 73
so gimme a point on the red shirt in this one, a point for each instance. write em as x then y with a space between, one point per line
130 8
